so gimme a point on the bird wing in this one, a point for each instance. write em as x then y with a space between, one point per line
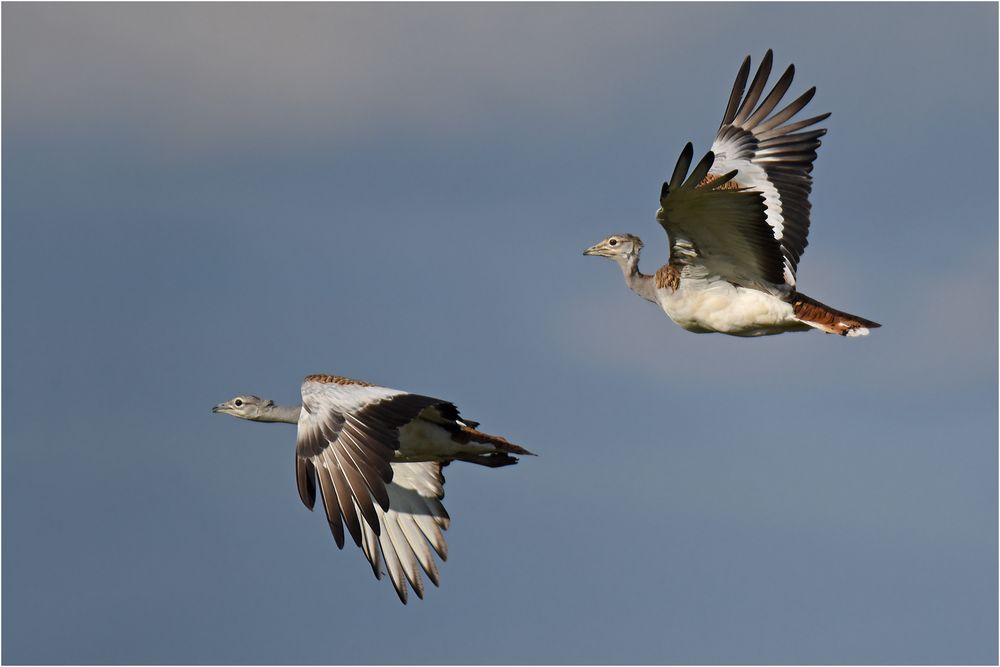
771 155
409 528
716 228
347 436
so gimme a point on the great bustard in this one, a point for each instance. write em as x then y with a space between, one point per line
377 454
737 224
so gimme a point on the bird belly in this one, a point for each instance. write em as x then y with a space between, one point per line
421 440
717 306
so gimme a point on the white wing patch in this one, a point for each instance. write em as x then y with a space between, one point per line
410 529
319 397
752 176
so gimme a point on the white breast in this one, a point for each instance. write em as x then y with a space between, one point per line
715 305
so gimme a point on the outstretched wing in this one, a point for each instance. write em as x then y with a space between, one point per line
771 155
348 434
410 528
716 228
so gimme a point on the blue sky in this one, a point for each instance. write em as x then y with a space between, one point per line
205 200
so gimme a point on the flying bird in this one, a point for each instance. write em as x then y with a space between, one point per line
737 223
375 455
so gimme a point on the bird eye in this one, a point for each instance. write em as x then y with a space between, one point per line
237 402
613 242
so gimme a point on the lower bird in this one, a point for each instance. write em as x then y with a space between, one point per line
737 224
377 455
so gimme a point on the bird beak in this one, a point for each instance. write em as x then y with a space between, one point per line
594 250
218 408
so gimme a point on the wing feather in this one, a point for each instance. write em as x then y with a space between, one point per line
700 170
374 470
354 516
332 506
756 88
305 476
719 231
392 565
431 528
793 108
794 127
681 169
410 528
421 549
772 99
407 559
738 87
369 544
357 484
772 156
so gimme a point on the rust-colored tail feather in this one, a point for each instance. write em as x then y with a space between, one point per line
467 433
823 317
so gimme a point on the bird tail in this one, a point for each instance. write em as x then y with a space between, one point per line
815 314
490 460
500 445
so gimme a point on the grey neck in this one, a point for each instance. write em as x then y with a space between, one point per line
288 414
638 283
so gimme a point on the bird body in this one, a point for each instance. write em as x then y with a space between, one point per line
375 455
707 305
738 223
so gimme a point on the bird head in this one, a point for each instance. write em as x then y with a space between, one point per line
616 246
244 406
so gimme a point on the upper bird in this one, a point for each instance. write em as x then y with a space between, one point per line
737 224
377 454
